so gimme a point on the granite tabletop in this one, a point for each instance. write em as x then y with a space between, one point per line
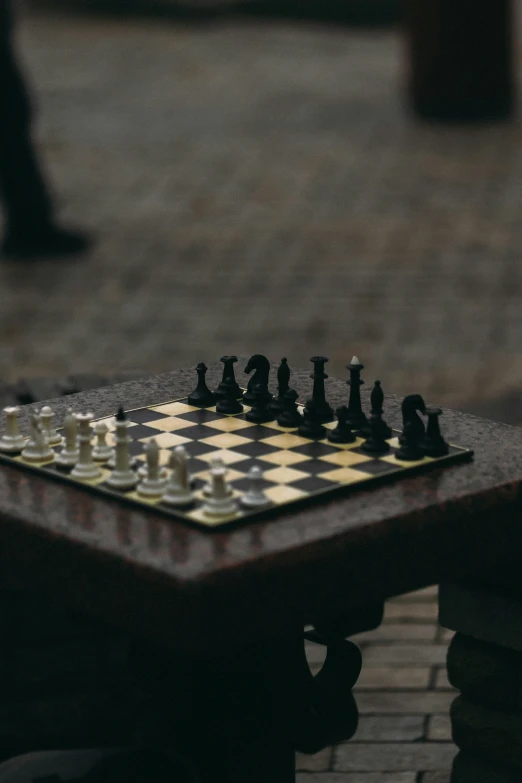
196 590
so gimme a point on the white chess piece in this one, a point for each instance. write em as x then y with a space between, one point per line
178 492
122 477
153 485
37 448
143 470
221 500
254 497
86 467
207 489
46 417
69 455
101 450
12 441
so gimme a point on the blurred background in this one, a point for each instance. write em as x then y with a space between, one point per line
257 183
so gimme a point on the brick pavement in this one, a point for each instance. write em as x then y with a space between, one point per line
258 186
403 695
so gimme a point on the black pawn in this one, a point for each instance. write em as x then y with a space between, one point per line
260 411
229 403
311 426
228 372
376 443
283 384
342 433
290 416
377 401
120 416
410 449
434 444
201 397
319 409
356 418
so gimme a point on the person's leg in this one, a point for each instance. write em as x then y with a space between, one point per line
29 226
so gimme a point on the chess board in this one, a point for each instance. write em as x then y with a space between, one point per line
296 470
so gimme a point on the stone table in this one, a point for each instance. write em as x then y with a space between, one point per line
218 616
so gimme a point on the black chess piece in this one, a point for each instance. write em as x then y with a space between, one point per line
290 416
342 433
377 401
356 417
434 444
411 405
410 449
228 372
120 415
311 427
376 443
261 365
228 403
283 383
201 397
260 411
318 407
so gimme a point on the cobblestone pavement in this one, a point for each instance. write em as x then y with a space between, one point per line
257 186
403 696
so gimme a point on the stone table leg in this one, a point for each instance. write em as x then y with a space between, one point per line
485 664
241 716
217 713
460 59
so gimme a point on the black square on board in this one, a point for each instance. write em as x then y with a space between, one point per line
142 431
144 415
313 466
313 484
197 465
200 416
257 432
255 449
136 447
195 448
315 449
374 466
197 432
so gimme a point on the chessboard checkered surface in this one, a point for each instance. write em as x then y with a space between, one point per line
295 469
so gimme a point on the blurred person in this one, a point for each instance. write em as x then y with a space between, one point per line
30 229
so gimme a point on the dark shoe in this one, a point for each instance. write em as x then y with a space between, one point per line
44 243
98 765
139 766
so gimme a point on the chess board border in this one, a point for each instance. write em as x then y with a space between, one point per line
318 497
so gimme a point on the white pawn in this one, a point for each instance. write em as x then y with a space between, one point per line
86 467
69 455
37 449
254 497
101 450
153 485
122 477
46 417
220 502
178 491
12 441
